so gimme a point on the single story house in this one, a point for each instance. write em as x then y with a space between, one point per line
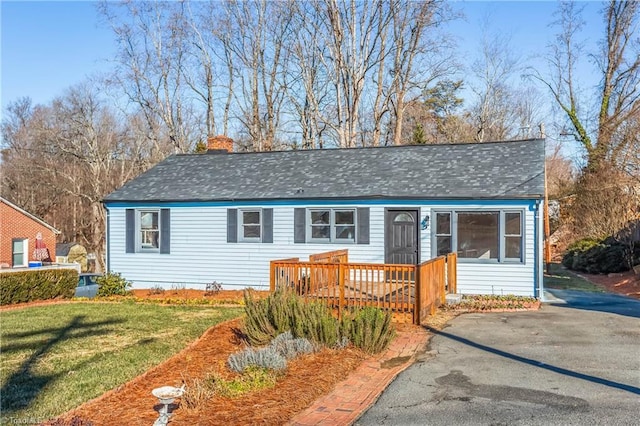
19 232
223 216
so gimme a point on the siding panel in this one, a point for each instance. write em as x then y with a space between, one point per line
201 254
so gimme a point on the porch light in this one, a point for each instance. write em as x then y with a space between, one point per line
425 223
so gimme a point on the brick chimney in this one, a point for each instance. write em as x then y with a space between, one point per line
219 143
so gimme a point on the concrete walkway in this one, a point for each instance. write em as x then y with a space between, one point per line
362 387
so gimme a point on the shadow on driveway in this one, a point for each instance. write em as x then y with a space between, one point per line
535 363
601 302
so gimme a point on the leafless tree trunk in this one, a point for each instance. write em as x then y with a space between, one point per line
152 38
618 64
354 34
258 32
494 109
61 159
419 53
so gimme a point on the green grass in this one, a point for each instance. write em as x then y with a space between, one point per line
563 279
56 357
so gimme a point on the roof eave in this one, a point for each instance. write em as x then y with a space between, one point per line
355 198
26 213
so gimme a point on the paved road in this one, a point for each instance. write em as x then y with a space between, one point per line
574 362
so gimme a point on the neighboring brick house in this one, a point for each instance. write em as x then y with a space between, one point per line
18 233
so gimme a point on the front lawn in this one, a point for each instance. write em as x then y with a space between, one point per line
563 279
56 357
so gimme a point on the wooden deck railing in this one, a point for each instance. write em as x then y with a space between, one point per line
407 290
336 256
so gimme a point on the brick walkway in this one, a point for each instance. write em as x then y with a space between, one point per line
354 395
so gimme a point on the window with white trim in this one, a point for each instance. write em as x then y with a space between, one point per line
331 225
19 252
443 233
513 235
250 225
495 235
149 230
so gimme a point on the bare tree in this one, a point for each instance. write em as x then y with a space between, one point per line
493 110
258 31
307 80
61 159
353 34
152 37
418 54
618 65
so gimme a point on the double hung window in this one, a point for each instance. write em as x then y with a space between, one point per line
250 225
331 225
149 229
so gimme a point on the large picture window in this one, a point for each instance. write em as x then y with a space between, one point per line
484 235
478 234
332 225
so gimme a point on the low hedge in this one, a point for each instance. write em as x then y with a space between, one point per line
42 284
597 256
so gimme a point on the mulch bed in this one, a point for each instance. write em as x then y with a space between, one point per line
626 283
306 379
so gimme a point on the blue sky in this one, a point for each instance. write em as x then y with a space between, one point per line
49 46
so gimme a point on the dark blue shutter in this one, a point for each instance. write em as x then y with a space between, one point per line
299 225
165 231
130 231
267 225
232 225
363 225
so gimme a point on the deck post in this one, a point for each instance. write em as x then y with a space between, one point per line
452 273
441 277
341 269
417 305
272 276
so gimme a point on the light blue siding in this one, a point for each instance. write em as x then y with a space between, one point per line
200 253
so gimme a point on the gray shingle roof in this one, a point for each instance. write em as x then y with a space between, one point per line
488 170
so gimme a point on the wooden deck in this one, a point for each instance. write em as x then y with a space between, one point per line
411 292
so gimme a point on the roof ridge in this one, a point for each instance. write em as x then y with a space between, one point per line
362 148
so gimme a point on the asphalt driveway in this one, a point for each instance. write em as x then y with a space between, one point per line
574 362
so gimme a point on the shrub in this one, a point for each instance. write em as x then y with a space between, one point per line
315 322
41 284
284 311
596 257
112 284
257 324
577 247
291 347
254 378
369 329
268 357
156 290
212 288
197 391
